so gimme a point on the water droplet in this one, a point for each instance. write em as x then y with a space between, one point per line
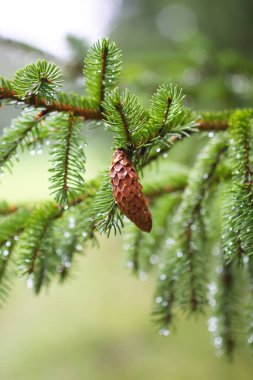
72 222
218 342
16 237
130 264
245 259
6 252
143 276
163 277
180 254
158 300
212 324
212 287
219 269
164 332
212 302
170 242
59 269
67 264
154 259
29 282
8 243
158 150
59 251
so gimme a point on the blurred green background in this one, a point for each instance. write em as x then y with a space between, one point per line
97 326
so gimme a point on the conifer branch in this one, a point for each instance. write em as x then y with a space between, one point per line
50 235
212 125
55 106
10 229
103 73
91 113
119 108
43 79
19 134
238 207
227 324
186 265
249 304
125 118
102 69
68 159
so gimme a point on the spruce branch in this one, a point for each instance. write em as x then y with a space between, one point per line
6 91
37 259
102 68
68 159
166 109
10 229
180 127
49 236
249 302
63 102
43 79
22 131
214 121
125 118
228 321
239 210
7 272
186 263
106 215
85 108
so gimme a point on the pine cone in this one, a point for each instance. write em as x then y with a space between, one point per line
127 191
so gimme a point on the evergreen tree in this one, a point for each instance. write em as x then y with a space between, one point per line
176 219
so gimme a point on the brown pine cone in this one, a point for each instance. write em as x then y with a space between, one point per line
127 191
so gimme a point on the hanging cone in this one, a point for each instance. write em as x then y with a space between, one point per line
127 191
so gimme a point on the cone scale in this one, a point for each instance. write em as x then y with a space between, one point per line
127 191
